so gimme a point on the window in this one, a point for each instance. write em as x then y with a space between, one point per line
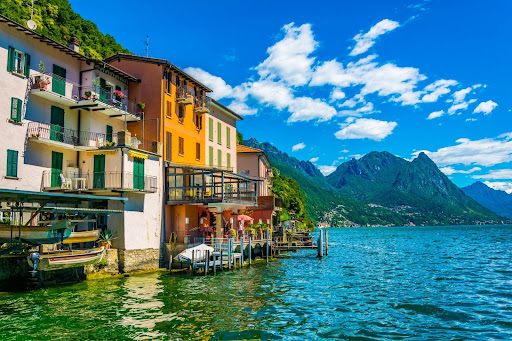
181 113
219 158
109 134
181 146
168 146
228 160
210 129
16 105
228 137
168 111
198 151
198 122
210 156
18 62
12 163
219 133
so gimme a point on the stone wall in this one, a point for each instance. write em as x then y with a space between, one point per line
108 265
138 260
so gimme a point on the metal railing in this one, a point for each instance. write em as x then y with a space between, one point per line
90 181
107 96
201 103
39 130
184 92
56 84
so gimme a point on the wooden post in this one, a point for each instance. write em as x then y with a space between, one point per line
192 264
206 259
230 241
326 243
267 246
320 244
221 260
241 251
214 265
249 247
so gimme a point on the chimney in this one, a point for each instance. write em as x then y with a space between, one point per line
74 44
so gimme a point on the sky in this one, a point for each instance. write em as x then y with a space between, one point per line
328 81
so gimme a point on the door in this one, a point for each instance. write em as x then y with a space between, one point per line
59 80
57 124
138 173
103 90
99 171
56 169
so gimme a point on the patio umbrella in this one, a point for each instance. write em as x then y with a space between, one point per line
244 217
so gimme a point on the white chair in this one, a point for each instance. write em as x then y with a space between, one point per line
65 182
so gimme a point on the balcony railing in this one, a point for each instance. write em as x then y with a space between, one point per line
202 104
51 82
52 132
197 185
184 95
77 180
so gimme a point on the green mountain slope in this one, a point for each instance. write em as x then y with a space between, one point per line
57 20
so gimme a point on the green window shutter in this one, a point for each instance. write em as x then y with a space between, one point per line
210 128
98 179
228 160
228 137
210 155
56 169
138 173
16 105
109 133
219 133
12 163
10 59
26 69
102 90
219 158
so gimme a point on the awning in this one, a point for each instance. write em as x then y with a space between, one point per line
51 197
101 152
139 155
75 210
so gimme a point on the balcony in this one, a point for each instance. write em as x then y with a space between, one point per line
202 104
207 186
58 136
184 95
270 202
89 98
74 180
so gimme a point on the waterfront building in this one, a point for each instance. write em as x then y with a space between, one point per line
63 124
201 190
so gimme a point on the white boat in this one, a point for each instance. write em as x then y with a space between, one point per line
82 237
68 259
198 252
49 234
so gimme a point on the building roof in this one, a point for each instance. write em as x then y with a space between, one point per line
65 49
226 109
158 61
241 149
51 197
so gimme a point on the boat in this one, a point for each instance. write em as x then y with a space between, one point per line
65 259
50 234
82 237
197 253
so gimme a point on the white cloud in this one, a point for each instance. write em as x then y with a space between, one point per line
437 89
298 147
344 151
435 114
500 185
496 174
307 109
450 170
457 107
217 84
365 128
314 159
242 108
357 156
367 40
367 108
267 92
289 58
326 170
485 152
459 96
337 94
485 107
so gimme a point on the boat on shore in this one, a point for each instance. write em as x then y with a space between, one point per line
48 234
82 237
65 259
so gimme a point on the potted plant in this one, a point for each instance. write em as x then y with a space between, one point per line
141 105
232 233
124 138
88 94
96 85
106 238
118 94
42 80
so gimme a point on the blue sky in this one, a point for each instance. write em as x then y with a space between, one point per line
328 81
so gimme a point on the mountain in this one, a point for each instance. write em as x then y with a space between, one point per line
57 20
495 200
379 189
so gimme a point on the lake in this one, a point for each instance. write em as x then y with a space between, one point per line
395 283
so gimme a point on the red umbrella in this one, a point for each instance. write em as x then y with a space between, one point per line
244 217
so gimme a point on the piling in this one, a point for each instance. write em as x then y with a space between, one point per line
206 261
266 254
326 243
249 247
230 242
320 244
221 260
241 251
192 263
214 265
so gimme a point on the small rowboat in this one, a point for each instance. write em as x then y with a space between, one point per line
82 237
63 260
49 234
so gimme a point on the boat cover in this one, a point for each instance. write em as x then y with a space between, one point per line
199 253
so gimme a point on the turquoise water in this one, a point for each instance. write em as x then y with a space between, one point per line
412 283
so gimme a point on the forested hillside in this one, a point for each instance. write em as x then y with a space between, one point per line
57 20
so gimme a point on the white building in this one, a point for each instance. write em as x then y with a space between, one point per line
62 122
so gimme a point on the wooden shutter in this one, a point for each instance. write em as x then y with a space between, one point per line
26 69
10 59
56 169
138 173
219 133
228 137
210 129
198 151
228 160
16 105
210 156
181 146
219 158
102 89
12 163
168 146
109 133
169 112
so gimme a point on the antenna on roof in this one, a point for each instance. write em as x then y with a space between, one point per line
146 42
31 23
